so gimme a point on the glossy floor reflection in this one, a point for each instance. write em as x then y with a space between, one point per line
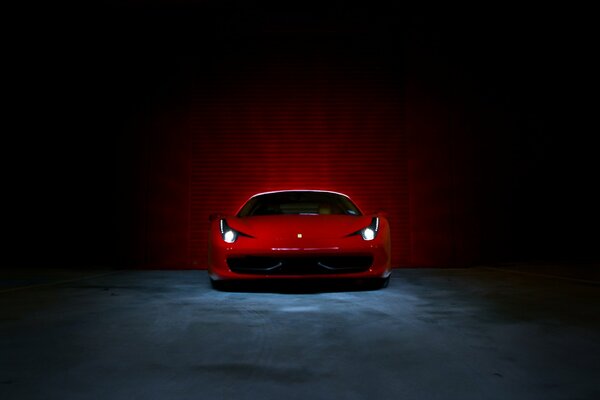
478 333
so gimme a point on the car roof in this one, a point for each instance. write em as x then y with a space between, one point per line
299 190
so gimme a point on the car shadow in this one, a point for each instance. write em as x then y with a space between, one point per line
303 286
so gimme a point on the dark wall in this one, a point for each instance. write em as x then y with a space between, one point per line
125 125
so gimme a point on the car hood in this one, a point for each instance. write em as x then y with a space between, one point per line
286 227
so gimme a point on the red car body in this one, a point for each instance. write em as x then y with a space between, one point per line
306 234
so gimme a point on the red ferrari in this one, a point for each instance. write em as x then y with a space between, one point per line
304 234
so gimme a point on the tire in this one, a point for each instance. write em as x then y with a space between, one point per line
221 286
378 283
385 282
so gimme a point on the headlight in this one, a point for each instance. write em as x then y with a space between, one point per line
229 235
370 231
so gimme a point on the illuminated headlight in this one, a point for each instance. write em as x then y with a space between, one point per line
229 235
368 234
370 231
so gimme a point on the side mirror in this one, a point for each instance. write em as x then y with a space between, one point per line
381 213
214 216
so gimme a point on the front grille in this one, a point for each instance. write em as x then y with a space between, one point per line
299 265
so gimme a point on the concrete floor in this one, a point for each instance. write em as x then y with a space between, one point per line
478 333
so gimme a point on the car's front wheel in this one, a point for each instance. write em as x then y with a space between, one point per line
378 283
220 285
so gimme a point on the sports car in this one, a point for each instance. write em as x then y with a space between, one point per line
306 234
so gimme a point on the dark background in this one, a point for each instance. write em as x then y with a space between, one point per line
114 106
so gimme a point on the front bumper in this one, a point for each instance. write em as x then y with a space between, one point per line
352 258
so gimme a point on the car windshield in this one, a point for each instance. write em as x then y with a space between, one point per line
300 203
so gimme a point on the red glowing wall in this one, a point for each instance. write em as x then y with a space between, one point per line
286 126
388 143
